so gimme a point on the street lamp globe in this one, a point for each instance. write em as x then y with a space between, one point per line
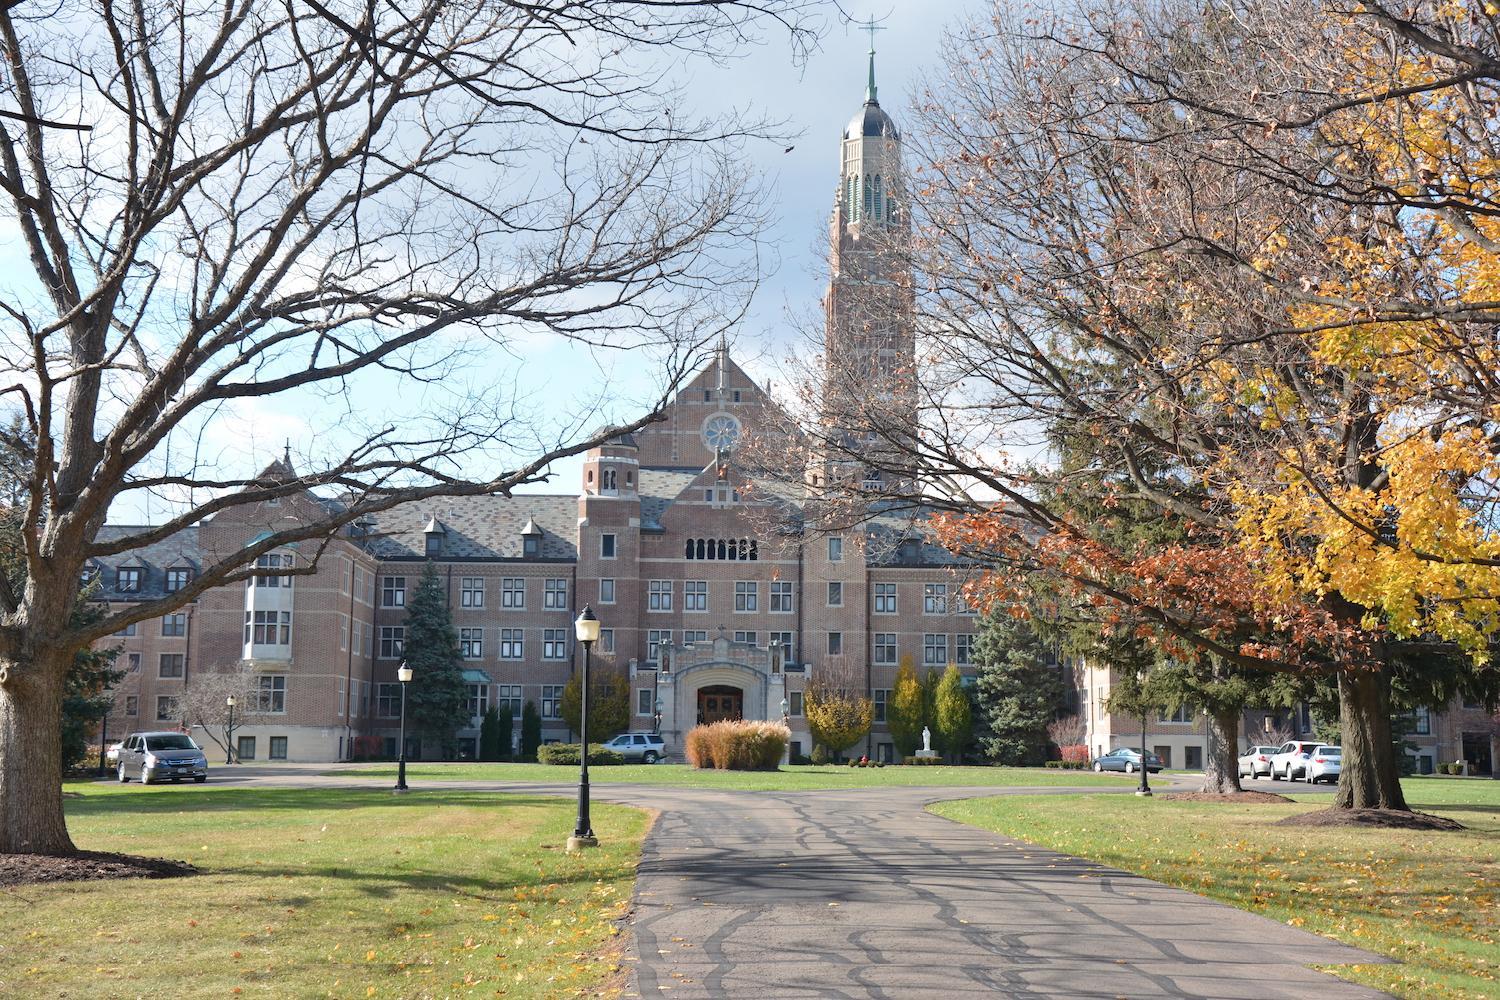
586 626
230 701
403 673
786 708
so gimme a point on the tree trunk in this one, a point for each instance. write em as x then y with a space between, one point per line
31 803
1221 765
1369 778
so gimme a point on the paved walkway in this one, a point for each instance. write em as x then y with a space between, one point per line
862 893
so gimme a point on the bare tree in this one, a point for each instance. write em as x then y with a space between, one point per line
204 704
302 202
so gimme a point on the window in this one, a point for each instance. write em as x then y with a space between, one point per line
695 595
781 596
835 549
788 654
393 592
512 643
434 547
270 693
1422 722
654 641
388 700
171 665
166 706
934 649
643 704
606 546
392 641
1192 758
132 705
513 592
554 644
268 628
129 580
555 596
835 643
794 703
881 697
273 560
746 595
278 748
552 701
531 547
692 635
659 597
935 598
963 649
127 629
133 663
471 643
835 595
245 748
177 579
885 647
606 640
885 598
748 638
606 591
509 697
471 592
479 700
1182 713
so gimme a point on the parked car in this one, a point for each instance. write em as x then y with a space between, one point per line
1256 761
644 748
160 757
112 752
1291 760
1324 764
1127 759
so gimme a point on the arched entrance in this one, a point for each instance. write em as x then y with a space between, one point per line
720 701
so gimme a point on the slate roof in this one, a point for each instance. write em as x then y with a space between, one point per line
179 551
479 527
904 540
659 488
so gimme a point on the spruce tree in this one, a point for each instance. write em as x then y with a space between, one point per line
504 730
489 735
954 714
437 697
1018 691
531 731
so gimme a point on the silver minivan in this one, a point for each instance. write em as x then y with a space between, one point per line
164 756
645 748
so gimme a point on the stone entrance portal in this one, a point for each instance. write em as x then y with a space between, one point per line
720 701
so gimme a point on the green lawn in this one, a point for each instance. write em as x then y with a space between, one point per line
788 779
1430 900
347 893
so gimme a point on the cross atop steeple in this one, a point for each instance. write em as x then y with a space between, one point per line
871 26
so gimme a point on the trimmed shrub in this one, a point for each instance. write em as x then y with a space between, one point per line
1074 753
737 745
819 754
567 753
924 761
1068 765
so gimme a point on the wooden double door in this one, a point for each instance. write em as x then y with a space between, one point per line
720 701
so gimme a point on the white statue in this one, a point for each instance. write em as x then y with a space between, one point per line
926 740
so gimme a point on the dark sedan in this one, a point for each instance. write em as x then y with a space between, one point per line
1127 759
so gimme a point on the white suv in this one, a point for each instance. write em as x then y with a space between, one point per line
645 748
1290 761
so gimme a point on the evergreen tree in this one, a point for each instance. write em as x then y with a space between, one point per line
504 731
489 735
1018 691
903 715
954 714
438 699
531 731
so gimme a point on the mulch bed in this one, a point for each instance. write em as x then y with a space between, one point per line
82 866
1389 819
1245 796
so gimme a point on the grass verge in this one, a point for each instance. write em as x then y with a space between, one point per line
1429 900
788 779
344 893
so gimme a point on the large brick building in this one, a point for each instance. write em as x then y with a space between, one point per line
713 612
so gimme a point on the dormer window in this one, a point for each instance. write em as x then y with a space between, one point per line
434 534
531 547
177 579
129 580
88 576
434 546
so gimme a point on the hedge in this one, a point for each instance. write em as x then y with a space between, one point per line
924 761
567 753
737 745
1068 765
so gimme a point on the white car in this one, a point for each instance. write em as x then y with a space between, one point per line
112 752
1256 761
1291 760
1324 764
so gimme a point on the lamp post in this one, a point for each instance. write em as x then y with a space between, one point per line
403 674
586 628
1145 789
229 732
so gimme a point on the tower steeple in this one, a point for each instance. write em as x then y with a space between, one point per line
870 90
